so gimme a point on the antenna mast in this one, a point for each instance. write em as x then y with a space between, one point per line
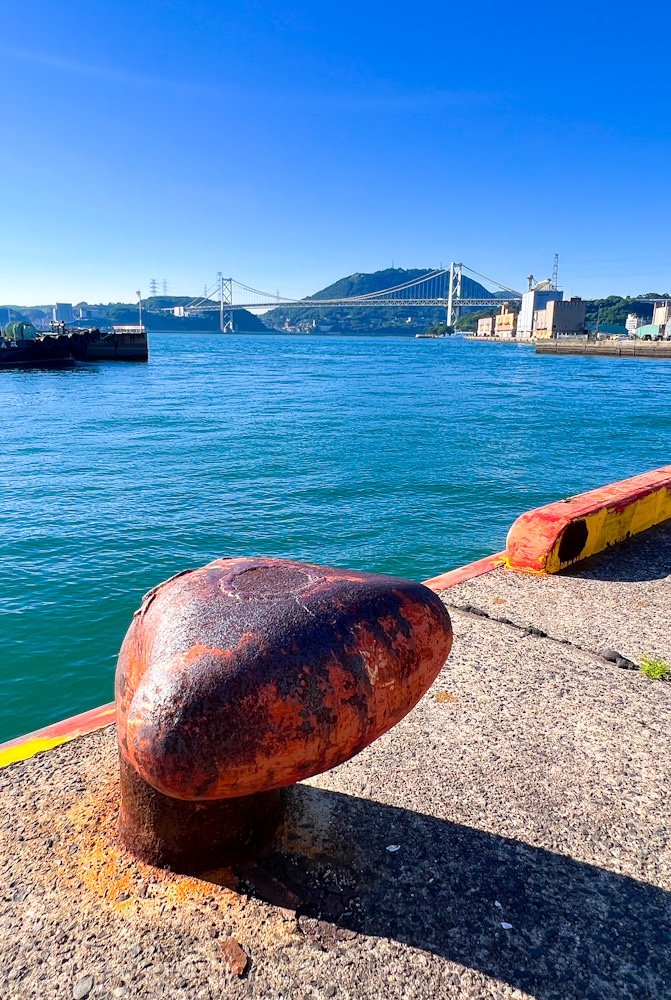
555 272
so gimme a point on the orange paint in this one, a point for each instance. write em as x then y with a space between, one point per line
468 572
24 747
549 538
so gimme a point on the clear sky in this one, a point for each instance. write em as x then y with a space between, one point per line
289 144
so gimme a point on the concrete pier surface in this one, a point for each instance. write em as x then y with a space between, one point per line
508 839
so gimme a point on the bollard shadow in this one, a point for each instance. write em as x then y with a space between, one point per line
646 556
577 931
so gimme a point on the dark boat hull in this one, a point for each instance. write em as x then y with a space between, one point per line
64 350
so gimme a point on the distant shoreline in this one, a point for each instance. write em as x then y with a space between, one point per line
287 333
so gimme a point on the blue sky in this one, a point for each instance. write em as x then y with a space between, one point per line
290 144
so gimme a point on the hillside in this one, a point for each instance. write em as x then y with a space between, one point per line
154 316
396 320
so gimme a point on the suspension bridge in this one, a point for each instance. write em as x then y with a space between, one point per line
452 288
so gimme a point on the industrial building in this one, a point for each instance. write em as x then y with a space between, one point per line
632 323
533 301
660 313
560 318
505 322
661 322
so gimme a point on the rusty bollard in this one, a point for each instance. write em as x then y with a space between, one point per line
248 675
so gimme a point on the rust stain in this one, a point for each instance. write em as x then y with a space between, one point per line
100 874
107 871
445 696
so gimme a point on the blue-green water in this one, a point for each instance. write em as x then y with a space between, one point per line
403 456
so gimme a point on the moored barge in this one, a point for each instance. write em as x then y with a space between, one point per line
22 346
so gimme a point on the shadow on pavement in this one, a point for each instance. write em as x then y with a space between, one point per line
576 931
642 557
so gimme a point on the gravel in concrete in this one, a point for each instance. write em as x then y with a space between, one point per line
619 599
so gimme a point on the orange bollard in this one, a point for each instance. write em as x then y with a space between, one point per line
248 675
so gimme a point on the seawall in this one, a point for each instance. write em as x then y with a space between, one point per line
607 348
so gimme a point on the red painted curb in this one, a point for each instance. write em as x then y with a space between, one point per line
26 746
467 572
550 538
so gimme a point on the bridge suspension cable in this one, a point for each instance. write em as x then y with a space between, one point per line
440 287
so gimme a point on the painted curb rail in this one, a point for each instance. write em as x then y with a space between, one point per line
27 746
551 538
248 675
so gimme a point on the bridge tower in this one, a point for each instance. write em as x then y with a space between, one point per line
453 292
225 304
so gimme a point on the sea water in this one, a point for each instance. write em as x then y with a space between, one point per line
393 455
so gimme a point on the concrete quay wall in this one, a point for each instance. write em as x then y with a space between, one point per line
621 349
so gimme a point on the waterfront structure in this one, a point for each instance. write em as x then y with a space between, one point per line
486 326
620 347
22 347
632 323
63 312
505 323
560 318
534 300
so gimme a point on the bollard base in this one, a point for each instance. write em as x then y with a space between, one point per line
192 837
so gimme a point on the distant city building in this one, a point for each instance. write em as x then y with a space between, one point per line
660 313
632 323
486 327
178 311
505 322
560 318
63 312
535 301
